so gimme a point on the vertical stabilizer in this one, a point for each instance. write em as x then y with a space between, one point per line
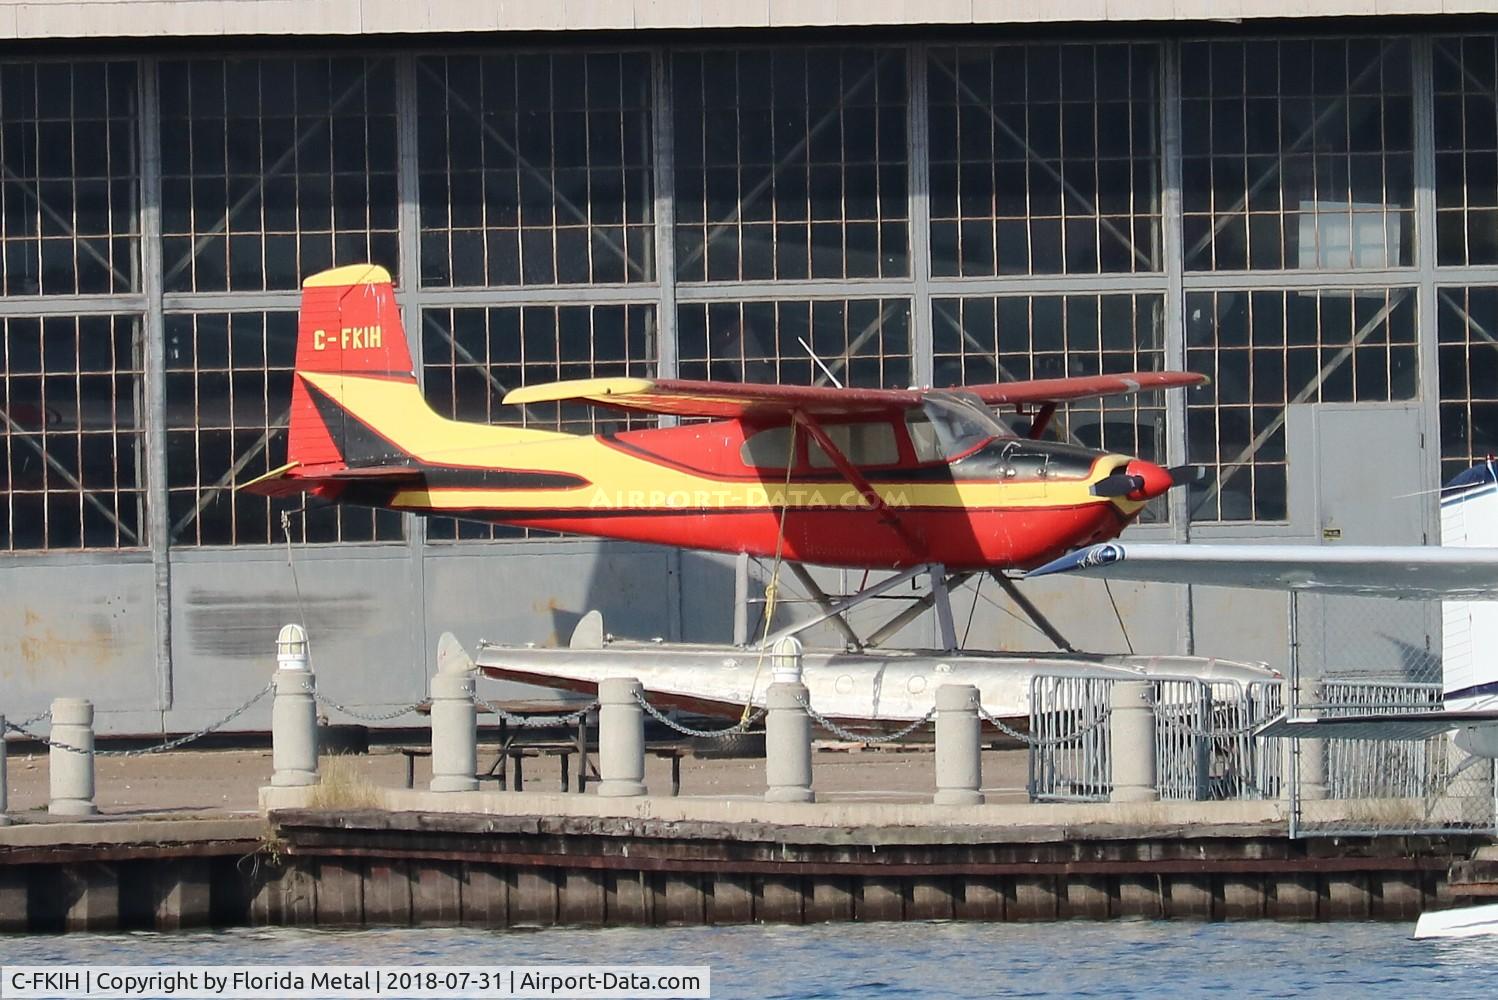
350 325
1469 629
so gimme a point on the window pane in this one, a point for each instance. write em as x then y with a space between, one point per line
1067 134
1468 361
1279 173
69 198
535 169
811 138
274 169
71 473
1267 350
862 342
1466 139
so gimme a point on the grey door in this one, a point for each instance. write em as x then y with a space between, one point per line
1369 491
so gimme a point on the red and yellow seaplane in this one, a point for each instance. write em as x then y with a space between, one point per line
864 478
918 481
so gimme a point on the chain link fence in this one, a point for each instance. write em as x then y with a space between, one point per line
1361 655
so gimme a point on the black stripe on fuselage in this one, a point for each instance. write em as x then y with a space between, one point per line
364 447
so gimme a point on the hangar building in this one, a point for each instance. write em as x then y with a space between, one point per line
1297 199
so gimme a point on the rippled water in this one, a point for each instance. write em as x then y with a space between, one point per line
1120 959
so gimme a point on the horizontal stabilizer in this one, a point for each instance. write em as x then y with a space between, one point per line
293 478
1412 572
1376 726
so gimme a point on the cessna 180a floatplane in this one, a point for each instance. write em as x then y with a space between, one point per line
923 483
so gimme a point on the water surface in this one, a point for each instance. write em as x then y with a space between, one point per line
1116 959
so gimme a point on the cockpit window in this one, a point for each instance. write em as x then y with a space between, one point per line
950 424
768 449
863 444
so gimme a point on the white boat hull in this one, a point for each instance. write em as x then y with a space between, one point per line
1466 921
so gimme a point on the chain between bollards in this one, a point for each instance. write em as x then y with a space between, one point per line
737 729
855 737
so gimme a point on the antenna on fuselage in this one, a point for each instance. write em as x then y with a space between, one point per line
825 370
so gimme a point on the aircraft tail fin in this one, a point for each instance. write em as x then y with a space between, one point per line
349 325
1469 629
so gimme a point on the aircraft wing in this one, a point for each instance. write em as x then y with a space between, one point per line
1407 726
1412 572
725 400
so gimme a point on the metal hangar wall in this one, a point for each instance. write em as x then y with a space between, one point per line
1306 212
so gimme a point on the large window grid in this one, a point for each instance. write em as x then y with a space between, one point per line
471 357
274 169
1465 106
71 473
69 178
861 342
791 163
535 169
1467 332
228 400
1297 154
1045 159
1267 350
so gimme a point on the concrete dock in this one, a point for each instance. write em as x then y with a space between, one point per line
385 855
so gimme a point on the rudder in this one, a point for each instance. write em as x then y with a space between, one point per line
349 324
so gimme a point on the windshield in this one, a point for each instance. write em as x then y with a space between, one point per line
950 424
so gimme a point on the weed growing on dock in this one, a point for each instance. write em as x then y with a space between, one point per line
342 787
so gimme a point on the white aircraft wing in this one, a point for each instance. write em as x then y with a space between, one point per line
1412 572
1410 726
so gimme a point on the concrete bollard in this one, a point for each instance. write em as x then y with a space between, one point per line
1311 755
959 755
621 738
293 719
787 728
4 784
455 751
1131 742
71 764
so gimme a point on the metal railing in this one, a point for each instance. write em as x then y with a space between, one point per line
1381 769
1204 743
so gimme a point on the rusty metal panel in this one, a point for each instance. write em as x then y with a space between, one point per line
77 631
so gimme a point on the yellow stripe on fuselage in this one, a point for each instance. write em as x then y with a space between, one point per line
623 481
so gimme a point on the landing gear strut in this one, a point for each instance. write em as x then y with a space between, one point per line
833 609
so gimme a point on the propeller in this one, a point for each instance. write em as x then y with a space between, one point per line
1119 484
1141 480
1186 475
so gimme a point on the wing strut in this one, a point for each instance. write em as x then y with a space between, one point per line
1042 419
1028 607
820 599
